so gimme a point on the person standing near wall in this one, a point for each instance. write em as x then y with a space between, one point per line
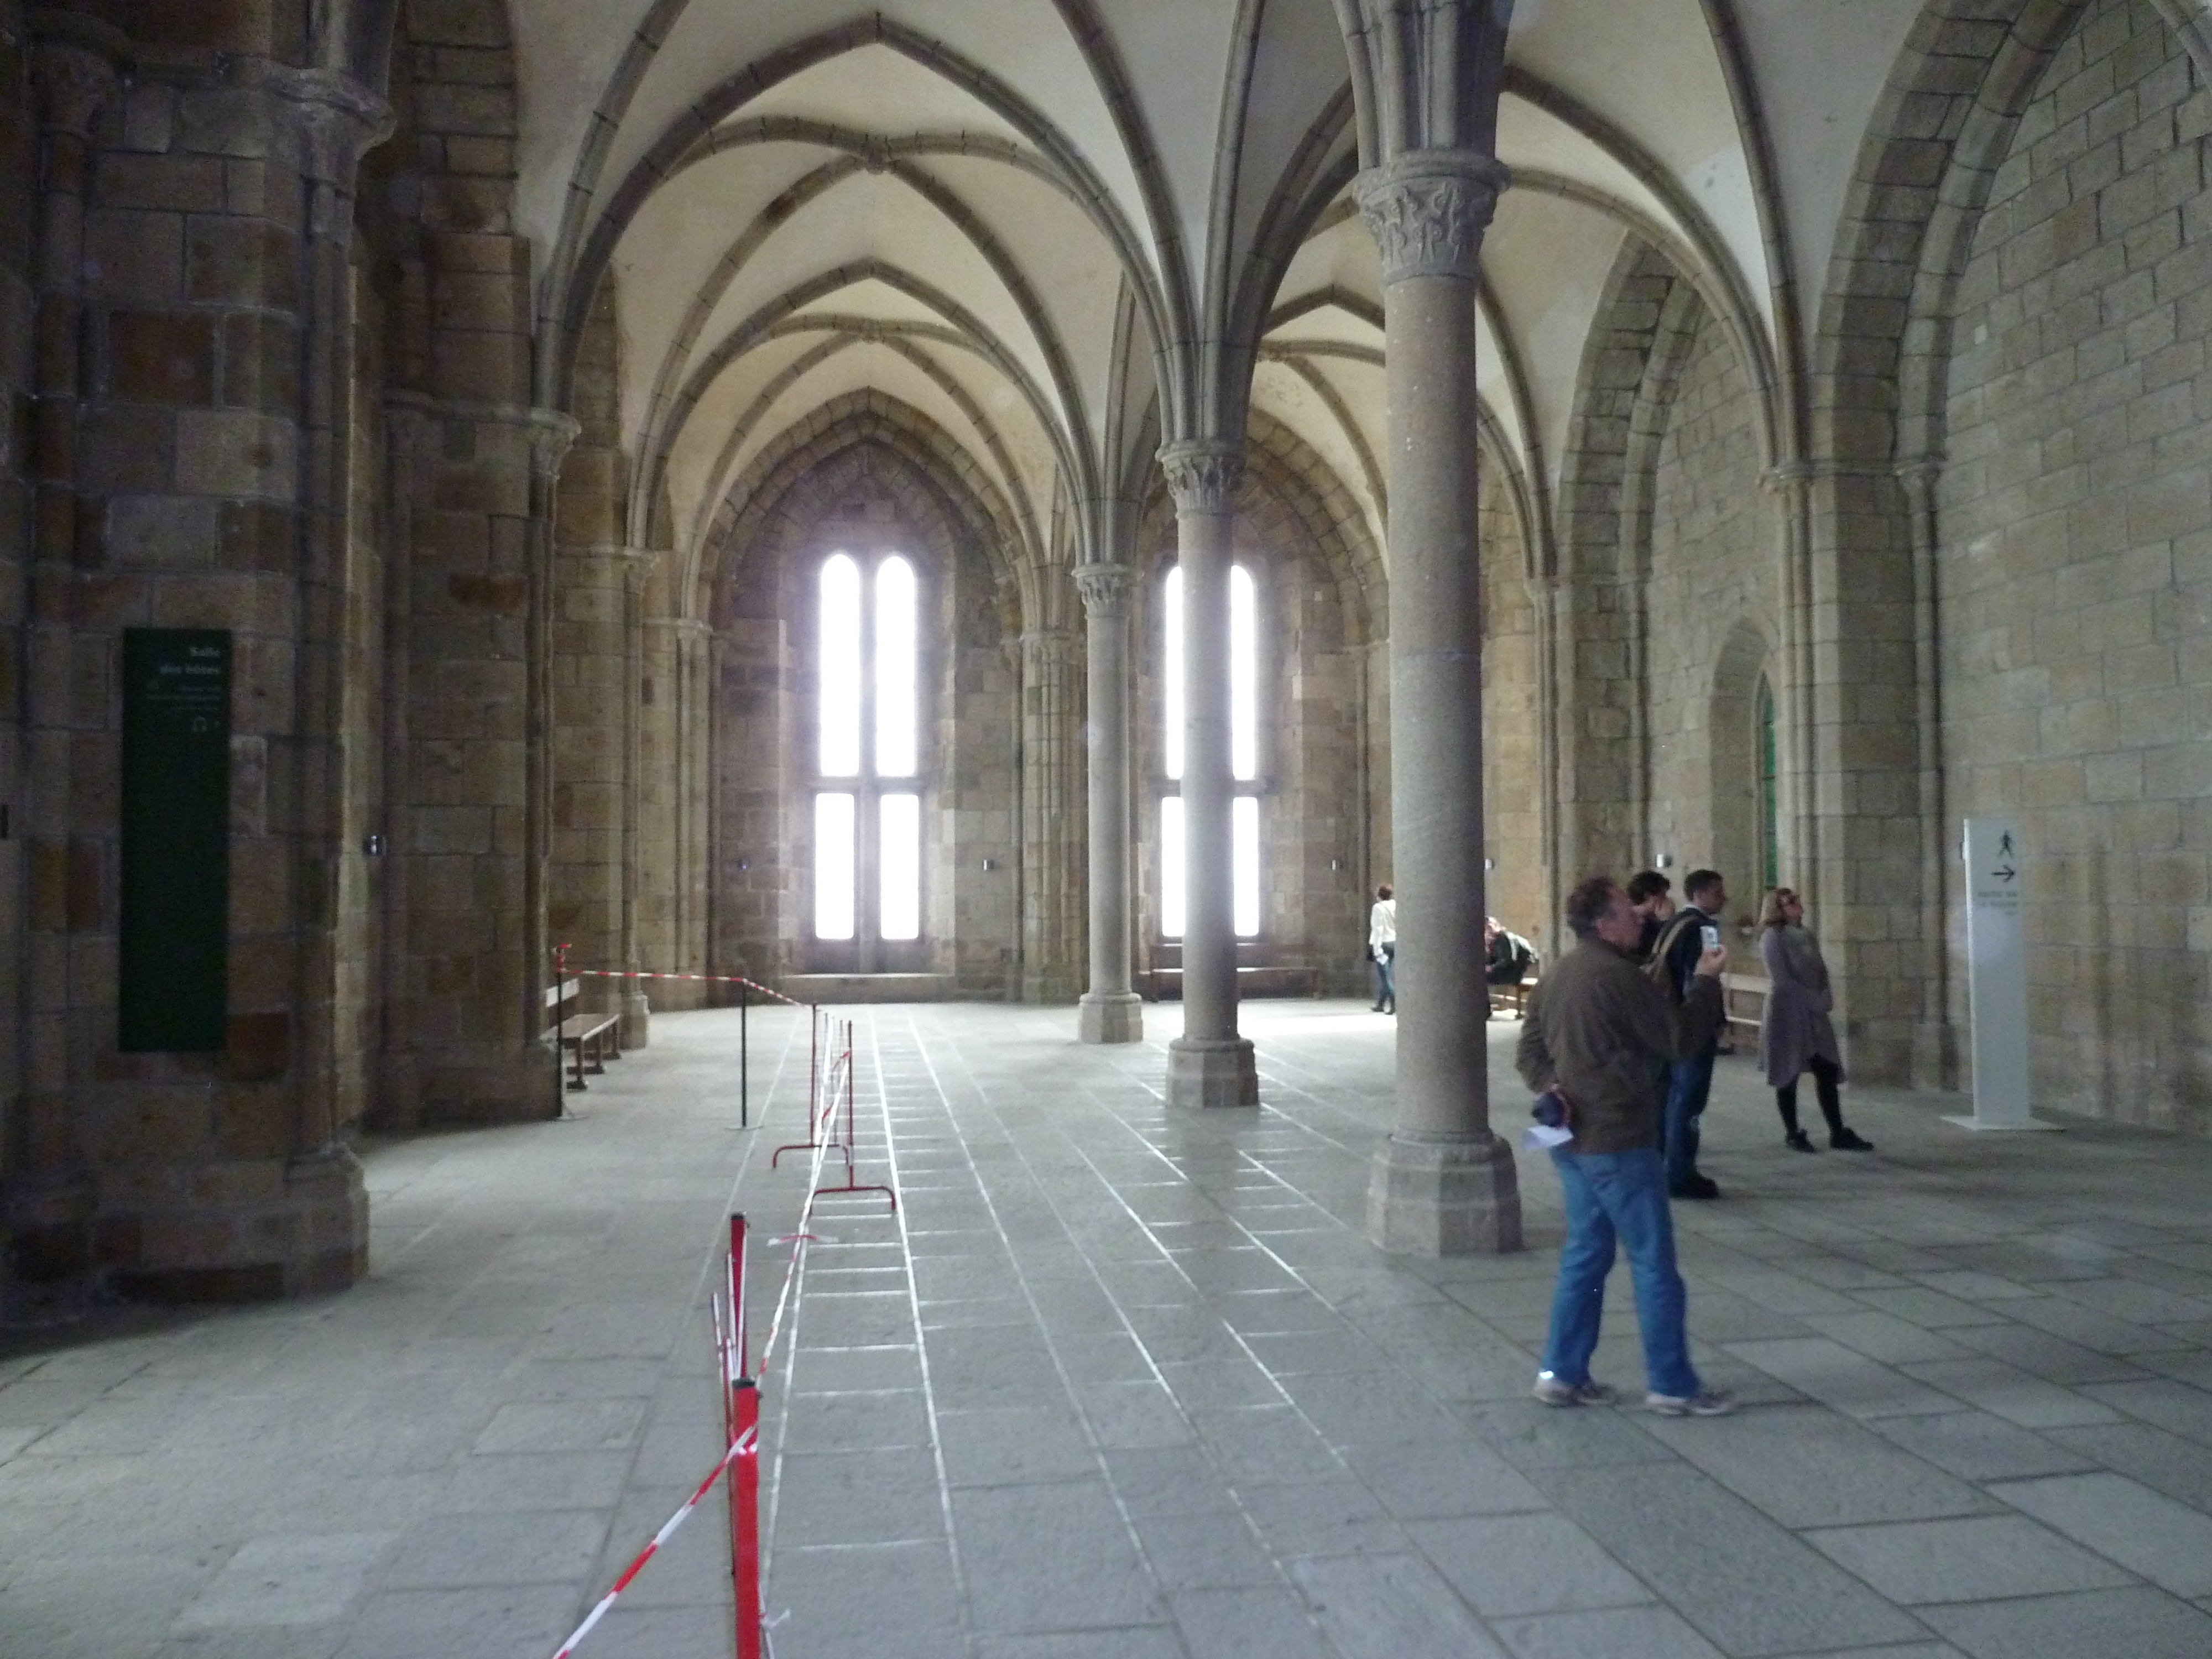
1651 895
1795 1035
1600 1034
1383 947
1693 932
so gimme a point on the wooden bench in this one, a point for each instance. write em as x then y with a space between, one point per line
1743 1000
589 1039
1512 999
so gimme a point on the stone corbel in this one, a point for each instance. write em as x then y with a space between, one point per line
1427 210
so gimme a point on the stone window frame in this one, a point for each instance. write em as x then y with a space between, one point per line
868 541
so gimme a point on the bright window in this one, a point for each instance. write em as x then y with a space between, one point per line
895 687
899 905
867 838
841 667
833 865
1243 753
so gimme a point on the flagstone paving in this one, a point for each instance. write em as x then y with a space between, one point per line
1113 1380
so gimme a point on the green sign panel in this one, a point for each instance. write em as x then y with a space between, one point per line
175 947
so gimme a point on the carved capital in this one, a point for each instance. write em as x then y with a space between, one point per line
73 82
1427 210
1105 589
1203 473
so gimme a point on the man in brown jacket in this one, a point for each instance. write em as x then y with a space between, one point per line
1601 1035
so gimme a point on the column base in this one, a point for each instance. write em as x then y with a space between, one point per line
1439 1198
1110 1017
48 1222
636 1020
293 1228
1212 1072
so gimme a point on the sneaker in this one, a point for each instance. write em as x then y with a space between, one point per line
1798 1141
1696 1187
1843 1140
1553 1392
1707 1402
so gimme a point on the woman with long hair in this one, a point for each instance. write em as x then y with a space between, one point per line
1795 1035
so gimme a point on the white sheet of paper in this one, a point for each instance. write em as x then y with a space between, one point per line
1539 1138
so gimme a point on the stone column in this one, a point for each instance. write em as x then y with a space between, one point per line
1052 918
1443 1184
50 1194
1110 1012
636 1011
1209 1065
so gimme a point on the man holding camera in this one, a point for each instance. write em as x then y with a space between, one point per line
1598 1037
1693 931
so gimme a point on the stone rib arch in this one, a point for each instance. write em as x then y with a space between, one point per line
586 241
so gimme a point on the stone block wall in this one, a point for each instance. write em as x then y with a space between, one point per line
1512 693
2076 561
1711 605
19 144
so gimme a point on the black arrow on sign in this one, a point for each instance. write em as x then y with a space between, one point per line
2005 874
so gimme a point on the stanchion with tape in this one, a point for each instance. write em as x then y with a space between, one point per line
742 1405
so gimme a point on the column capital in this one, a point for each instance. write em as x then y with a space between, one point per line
1105 590
1427 210
1203 473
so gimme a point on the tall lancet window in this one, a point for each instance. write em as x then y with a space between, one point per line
1243 753
867 799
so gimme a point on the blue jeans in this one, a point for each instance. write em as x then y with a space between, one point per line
1386 979
1618 1195
1691 1083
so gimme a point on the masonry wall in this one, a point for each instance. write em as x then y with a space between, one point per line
2075 564
1711 606
1512 779
18 306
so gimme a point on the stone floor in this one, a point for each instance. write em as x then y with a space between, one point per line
1118 1383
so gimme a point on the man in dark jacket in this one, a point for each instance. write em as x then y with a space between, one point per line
1601 1034
1672 964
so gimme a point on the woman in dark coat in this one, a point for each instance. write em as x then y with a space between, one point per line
1796 1036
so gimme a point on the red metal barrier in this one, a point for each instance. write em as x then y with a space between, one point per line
741 1402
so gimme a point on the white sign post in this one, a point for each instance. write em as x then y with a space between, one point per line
1996 976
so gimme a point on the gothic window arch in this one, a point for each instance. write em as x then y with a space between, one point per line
1250 737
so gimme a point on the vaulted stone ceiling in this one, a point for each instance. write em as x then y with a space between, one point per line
994 209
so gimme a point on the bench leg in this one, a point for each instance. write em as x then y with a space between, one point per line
576 1075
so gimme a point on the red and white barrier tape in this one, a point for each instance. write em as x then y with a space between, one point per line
803 1235
746 1445
704 979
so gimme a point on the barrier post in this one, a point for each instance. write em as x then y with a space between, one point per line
742 1401
744 1055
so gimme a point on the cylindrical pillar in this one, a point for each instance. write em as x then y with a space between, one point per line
1443 1184
1109 1011
1209 1065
